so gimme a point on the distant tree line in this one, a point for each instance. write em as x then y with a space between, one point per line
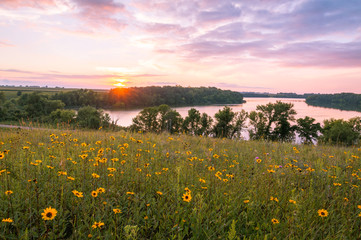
140 97
273 122
343 101
276 95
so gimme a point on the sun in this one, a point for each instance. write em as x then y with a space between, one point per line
120 83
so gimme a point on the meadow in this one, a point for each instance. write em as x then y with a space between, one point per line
63 184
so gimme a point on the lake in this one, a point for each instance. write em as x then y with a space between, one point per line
124 117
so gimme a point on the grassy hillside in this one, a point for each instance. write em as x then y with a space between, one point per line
80 184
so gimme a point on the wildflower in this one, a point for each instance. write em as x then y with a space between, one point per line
270 170
49 213
78 194
94 194
60 173
292 201
246 201
101 190
116 210
8 220
130 193
146 217
97 225
95 175
322 213
275 221
2 155
259 160
187 197
188 190
159 193
71 178
273 199
210 168
8 192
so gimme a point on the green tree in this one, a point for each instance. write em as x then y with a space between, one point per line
272 122
340 132
62 116
90 117
307 129
228 123
206 125
146 120
258 122
38 106
192 122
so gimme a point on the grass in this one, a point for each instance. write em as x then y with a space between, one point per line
235 189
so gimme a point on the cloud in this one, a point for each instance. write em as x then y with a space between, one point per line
13 4
101 13
93 14
6 44
317 54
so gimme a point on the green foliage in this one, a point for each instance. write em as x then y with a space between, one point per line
62 116
228 123
157 119
173 96
232 234
2 98
90 117
37 105
307 129
343 101
341 132
81 98
272 122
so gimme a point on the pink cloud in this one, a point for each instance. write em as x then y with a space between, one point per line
100 13
6 44
13 4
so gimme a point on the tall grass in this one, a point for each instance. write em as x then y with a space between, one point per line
237 189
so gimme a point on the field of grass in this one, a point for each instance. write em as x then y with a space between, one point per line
103 185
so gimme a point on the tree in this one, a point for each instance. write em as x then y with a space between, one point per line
229 123
307 129
90 117
38 106
206 125
192 122
146 120
62 116
340 132
258 121
157 119
272 122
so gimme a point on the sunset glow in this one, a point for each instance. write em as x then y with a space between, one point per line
120 83
298 46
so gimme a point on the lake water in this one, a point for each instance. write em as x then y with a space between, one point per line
124 117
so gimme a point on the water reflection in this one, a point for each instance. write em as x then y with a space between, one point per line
124 117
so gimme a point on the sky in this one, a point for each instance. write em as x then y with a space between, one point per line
301 46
